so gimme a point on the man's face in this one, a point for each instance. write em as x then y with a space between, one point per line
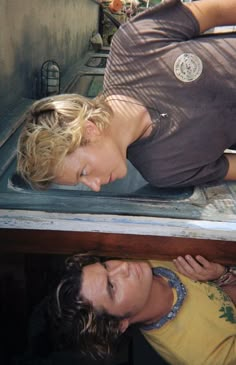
120 287
97 163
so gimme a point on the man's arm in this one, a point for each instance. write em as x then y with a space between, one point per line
231 291
231 174
213 13
199 268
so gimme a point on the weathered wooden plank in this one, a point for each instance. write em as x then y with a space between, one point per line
116 245
117 224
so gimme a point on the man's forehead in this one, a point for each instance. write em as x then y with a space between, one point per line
92 281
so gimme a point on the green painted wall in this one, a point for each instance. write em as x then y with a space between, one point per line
33 31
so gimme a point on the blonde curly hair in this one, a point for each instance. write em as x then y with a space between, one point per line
54 127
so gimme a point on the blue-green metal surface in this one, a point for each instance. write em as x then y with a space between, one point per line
130 196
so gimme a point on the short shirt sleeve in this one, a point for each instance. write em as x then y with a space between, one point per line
134 42
210 173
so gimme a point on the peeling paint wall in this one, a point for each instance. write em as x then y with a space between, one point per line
33 31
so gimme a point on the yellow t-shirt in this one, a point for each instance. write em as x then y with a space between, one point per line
203 331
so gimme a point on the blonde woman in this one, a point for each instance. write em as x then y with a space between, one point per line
168 106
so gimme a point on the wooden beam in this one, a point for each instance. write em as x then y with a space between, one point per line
116 245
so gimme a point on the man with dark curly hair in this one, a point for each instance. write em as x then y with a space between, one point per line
179 314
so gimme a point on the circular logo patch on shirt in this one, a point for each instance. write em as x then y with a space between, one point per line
188 67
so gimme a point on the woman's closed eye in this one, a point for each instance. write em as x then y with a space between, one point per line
83 173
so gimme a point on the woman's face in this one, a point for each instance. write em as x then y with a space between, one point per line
97 163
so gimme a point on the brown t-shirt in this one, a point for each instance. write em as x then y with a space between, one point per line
188 84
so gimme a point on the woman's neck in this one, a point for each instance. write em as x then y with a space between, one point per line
131 120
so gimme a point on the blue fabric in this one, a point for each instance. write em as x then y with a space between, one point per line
181 292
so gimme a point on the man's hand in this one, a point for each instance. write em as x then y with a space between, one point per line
198 268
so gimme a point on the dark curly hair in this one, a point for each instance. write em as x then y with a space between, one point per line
75 324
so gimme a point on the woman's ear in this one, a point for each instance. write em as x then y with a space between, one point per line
124 324
91 131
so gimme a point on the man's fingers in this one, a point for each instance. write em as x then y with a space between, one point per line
179 265
204 262
195 265
198 268
183 267
190 267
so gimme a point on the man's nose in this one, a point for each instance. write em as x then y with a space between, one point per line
93 183
121 269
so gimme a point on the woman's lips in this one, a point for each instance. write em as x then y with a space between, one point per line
111 179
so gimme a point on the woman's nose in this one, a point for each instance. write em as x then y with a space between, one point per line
94 183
